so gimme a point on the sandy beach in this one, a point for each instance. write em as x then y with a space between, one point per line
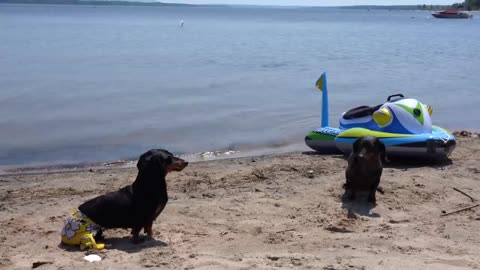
271 212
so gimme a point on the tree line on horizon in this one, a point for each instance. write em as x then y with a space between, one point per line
93 2
467 5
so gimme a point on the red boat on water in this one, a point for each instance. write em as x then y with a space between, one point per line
451 14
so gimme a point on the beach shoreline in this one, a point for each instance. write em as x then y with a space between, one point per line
46 168
59 167
277 211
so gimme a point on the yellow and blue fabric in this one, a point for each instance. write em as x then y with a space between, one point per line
79 230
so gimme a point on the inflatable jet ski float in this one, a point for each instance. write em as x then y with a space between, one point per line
404 125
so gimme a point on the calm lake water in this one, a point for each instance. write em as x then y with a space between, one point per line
99 83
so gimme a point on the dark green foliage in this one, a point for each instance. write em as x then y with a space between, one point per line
87 2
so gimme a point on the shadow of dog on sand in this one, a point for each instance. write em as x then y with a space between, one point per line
359 206
125 244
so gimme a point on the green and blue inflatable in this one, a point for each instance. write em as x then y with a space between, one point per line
404 125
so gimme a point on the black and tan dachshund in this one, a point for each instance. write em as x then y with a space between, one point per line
365 166
136 206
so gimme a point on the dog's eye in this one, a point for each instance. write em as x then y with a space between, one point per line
169 160
416 112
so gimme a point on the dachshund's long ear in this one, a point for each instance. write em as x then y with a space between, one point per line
144 160
162 160
356 145
169 160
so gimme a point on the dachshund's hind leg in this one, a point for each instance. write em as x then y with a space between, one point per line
135 233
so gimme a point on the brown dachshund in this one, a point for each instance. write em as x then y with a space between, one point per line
365 166
136 206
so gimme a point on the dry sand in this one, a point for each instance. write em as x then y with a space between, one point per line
273 212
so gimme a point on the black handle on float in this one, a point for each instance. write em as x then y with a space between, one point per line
396 95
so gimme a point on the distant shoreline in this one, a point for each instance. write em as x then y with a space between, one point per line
163 4
91 2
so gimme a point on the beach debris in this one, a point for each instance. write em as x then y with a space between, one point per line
284 231
118 163
393 221
38 264
338 229
295 261
273 258
464 133
474 170
471 198
259 174
208 195
92 258
459 210
213 154
310 174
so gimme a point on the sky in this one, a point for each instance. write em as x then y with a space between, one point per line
316 2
